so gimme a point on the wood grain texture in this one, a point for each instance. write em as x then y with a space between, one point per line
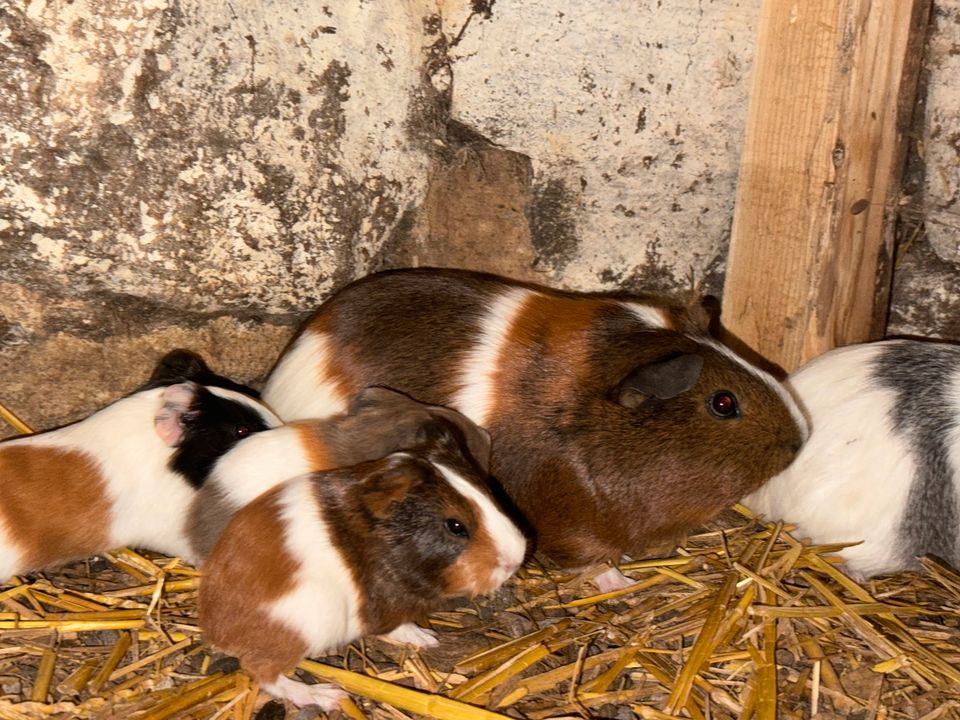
832 93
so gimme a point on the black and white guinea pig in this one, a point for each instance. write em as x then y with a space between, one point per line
882 464
617 423
329 557
125 475
377 422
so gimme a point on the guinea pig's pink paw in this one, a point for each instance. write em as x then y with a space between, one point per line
326 696
610 580
413 635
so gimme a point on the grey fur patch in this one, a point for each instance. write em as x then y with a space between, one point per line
920 374
209 514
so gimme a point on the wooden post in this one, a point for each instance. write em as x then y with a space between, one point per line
833 90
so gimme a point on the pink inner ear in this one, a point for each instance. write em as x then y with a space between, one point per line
175 403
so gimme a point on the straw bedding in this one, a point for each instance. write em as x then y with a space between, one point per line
741 620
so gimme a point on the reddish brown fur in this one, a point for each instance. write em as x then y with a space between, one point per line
244 577
318 453
554 326
338 373
471 573
53 503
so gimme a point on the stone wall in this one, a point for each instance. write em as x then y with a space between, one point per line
197 174
926 294
180 173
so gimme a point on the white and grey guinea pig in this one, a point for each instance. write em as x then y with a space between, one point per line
377 422
617 423
882 465
125 475
326 558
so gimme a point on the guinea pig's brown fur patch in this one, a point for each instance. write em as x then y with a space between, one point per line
358 511
555 332
248 569
472 574
334 371
311 440
53 503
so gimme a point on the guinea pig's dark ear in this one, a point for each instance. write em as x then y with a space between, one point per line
478 439
663 379
383 489
179 366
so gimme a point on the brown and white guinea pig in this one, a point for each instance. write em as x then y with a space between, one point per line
127 474
326 558
882 464
617 423
377 422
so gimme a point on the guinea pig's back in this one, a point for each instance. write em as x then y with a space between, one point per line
406 329
882 457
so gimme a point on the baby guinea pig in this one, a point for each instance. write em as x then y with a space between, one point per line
882 464
377 422
326 558
127 474
617 423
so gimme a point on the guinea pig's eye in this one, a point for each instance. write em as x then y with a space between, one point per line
723 405
241 431
455 527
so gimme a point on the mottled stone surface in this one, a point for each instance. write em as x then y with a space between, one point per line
926 292
942 134
193 173
632 115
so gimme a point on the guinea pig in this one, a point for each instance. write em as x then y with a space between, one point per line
125 475
377 422
617 423
882 465
326 558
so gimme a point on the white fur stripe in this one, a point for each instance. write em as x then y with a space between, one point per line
511 545
478 373
324 603
655 317
296 389
270 419
778 387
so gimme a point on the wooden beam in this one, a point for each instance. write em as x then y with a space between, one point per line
833 90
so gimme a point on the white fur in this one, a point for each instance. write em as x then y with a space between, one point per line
10 554
612 579
651 315
412 634
324 695
323 606
511 545
260 462
296 389
851 480
478 374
